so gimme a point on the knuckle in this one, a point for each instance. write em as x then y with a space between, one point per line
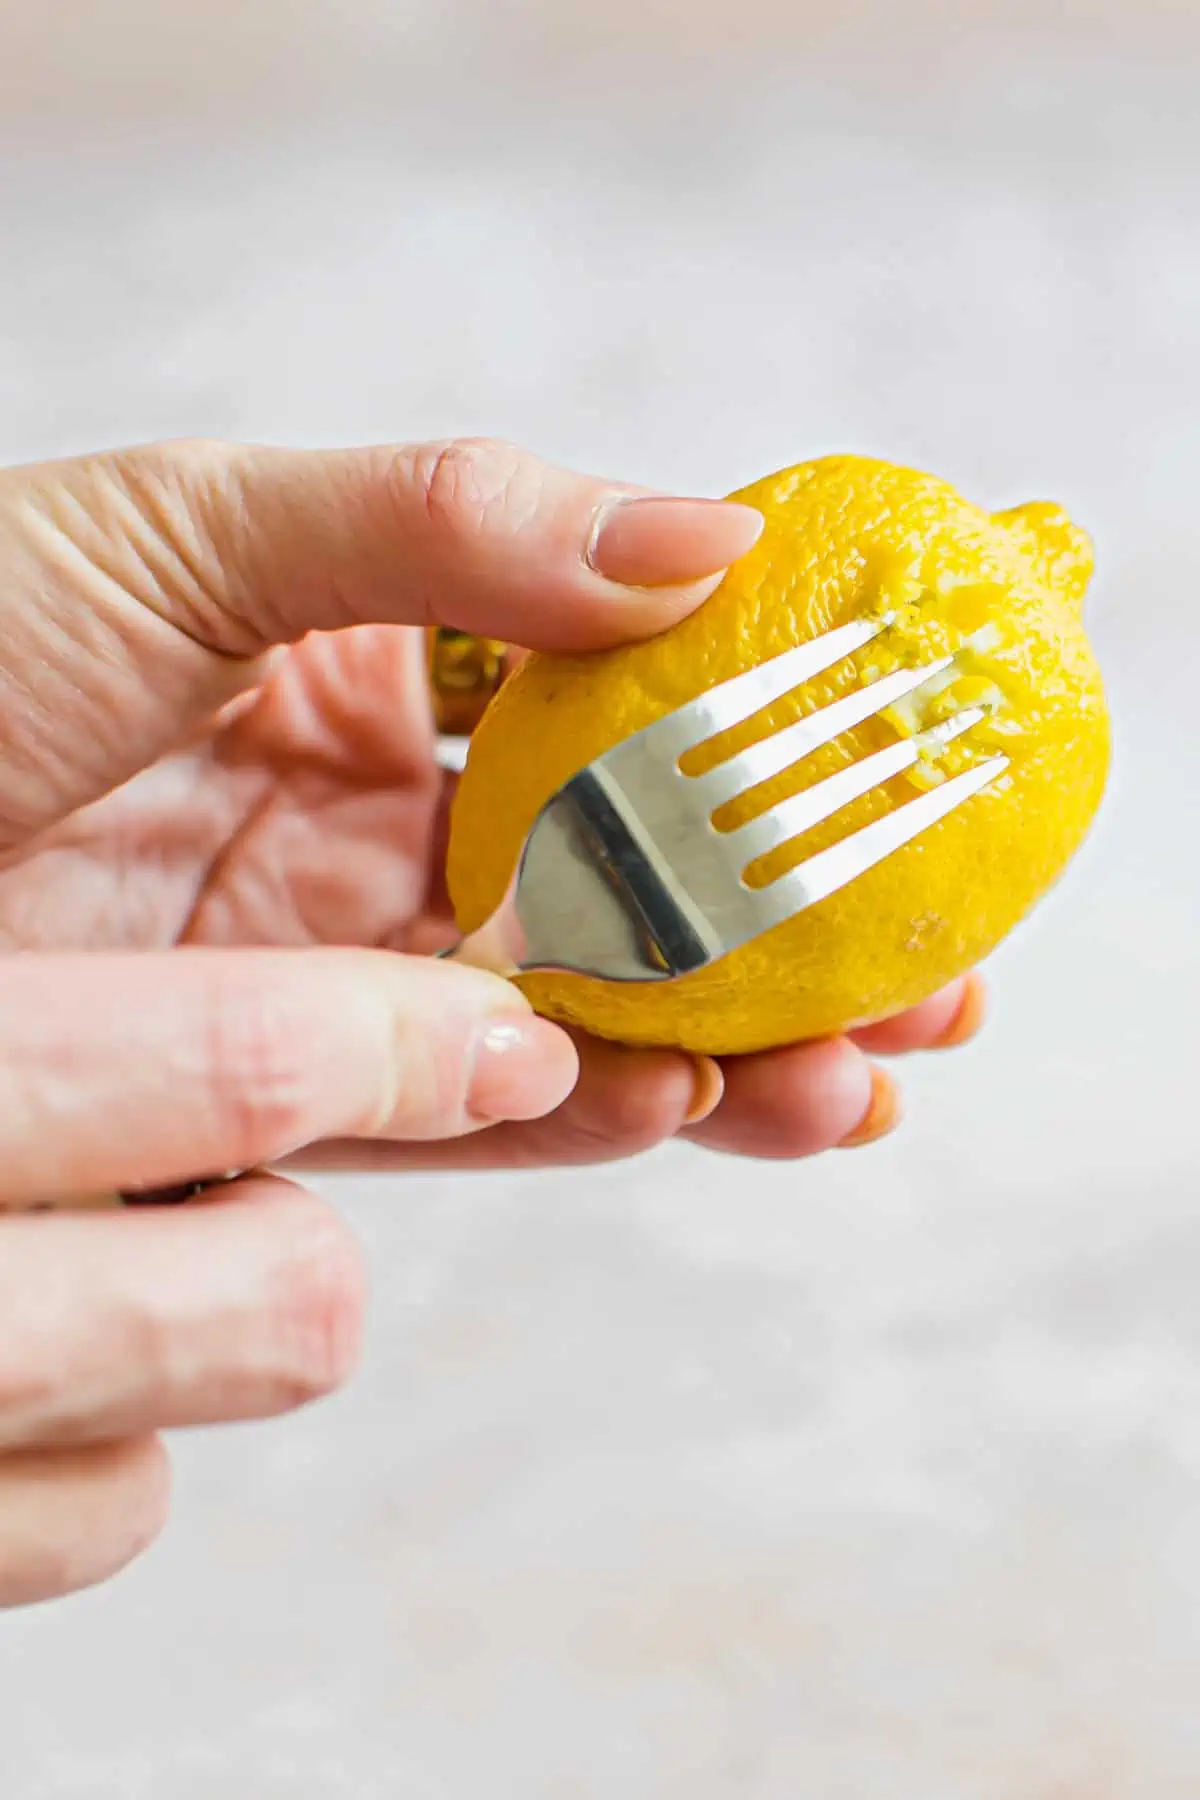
463 483
173 515
317 1310
149 469
631 1123
261 1073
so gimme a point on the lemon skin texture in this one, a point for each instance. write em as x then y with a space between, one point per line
845 536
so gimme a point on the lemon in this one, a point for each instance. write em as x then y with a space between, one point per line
845 536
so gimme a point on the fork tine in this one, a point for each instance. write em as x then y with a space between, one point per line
743 695
772 755
825 798
843 862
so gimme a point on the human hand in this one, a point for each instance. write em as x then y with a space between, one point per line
235 835
293 798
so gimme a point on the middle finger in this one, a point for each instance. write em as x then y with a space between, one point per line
238 1306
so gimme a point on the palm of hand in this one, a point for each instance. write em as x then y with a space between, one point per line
311 814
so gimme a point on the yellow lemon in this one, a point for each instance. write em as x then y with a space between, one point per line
845 536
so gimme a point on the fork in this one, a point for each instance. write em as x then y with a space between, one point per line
624 876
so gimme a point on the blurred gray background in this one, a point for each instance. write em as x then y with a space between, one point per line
868 1479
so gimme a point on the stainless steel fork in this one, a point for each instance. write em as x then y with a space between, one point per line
625 877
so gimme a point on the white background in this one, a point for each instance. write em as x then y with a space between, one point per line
871 1479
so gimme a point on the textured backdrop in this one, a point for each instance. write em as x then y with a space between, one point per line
867 1480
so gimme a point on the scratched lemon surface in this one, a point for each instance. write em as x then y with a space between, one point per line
845 536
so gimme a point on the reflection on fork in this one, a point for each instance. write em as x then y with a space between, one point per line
624 875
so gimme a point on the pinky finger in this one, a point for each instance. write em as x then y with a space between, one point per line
72 1518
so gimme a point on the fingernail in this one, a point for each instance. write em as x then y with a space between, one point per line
523 1068
969 1018
665 542
707 1092
882 1115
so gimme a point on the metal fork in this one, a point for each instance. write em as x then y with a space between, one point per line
625 877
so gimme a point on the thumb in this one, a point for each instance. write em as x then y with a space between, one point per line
141 587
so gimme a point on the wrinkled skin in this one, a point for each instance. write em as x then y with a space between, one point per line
183 764
315 813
